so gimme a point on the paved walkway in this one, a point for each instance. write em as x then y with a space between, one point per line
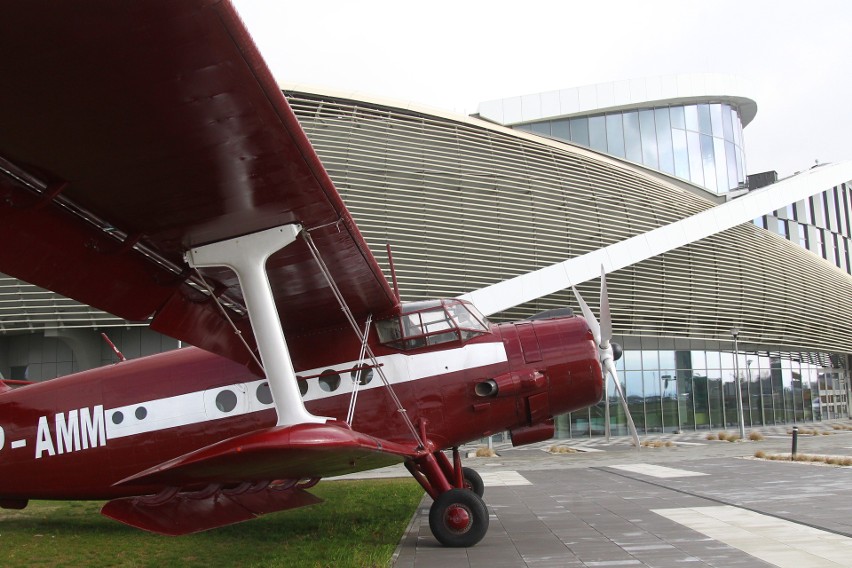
698 503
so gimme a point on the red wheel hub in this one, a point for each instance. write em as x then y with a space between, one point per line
457 518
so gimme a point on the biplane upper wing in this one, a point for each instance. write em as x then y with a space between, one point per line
131 131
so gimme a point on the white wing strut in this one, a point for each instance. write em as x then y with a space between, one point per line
551 279
247 256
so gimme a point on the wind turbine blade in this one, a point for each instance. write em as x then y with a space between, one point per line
590 317
610 367
606 317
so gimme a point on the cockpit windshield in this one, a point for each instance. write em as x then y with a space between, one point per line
431 322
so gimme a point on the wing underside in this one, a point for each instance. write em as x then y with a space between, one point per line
141 129
247 476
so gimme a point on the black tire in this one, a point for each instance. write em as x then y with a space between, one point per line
458 518
473 481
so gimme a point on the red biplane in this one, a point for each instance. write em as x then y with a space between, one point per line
151 167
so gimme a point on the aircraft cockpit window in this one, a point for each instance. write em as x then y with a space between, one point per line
432 322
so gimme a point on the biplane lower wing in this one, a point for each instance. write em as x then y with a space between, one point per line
303 451
248 476
191 513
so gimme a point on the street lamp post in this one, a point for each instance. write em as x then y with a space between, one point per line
736 332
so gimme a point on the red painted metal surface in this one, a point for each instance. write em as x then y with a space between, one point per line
142 129
446 404
162 120
292 452
186 514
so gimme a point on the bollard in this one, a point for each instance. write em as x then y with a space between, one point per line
795 443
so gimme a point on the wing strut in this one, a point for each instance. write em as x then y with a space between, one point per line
247 256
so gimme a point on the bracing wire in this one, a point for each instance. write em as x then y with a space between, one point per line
354 324
238 333
359 371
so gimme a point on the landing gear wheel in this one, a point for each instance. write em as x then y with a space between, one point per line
473 481
458 518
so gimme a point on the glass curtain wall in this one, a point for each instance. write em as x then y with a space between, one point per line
700 143
678 390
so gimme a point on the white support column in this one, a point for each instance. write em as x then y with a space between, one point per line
247 256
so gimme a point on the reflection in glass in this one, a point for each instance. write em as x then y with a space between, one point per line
597 133
649 138
696 167
715 401
669 382
681 157
561 129
632 385
664 140
653 402
740 165
542 128
716 120
615 135
677 118
580 131
731 165
708 161
704 124
727 124
632 141
691 114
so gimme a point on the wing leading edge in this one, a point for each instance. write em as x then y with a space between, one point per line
142 129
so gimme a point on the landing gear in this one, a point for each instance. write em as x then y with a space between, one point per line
458 518
473 481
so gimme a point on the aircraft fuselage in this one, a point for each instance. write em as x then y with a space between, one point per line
75 437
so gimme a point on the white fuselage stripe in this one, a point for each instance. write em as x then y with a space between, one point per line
203 406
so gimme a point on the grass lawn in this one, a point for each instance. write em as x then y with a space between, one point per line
359 524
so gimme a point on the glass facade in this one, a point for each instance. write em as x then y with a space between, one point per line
700 143
821 223
678 390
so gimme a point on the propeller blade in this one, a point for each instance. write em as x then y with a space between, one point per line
610 367
590 317
606 317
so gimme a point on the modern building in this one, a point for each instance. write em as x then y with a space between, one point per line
469 201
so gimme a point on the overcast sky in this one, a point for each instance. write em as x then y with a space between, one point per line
454 54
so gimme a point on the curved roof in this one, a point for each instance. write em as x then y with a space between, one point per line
647 92
466 204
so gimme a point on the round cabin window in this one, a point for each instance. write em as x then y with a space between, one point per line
264 394
363 374
329 380
226 401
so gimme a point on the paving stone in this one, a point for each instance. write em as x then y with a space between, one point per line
579 511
